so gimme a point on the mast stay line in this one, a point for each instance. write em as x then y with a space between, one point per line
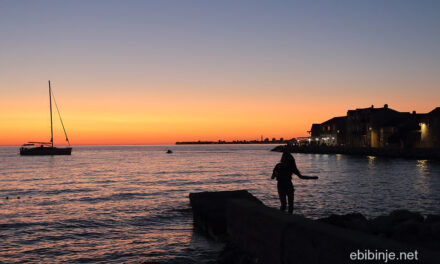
61 120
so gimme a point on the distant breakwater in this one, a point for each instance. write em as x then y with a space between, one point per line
220 142
255 233
415 153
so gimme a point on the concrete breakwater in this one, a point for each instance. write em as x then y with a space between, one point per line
210 210
256 233
416 153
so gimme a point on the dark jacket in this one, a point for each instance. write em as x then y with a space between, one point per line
283 173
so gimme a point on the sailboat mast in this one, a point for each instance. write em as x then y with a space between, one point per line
51 126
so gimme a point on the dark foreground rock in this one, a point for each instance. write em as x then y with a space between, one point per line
259 234
400 225
234 255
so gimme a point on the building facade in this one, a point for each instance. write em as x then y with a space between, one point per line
379 128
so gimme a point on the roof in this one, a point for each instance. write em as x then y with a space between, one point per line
316 126
373 109
436 112
335 119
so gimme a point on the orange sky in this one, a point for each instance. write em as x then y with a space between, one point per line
148 72
164 118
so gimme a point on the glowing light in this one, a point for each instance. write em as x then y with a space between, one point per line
424 131
371 160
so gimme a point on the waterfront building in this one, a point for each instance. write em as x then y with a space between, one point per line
330 133
430 129
381 127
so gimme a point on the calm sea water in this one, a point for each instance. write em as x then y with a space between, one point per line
114 204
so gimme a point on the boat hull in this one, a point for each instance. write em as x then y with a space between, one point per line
45 151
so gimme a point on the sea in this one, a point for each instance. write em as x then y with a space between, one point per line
129 204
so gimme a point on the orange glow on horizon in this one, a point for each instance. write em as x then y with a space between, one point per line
162 118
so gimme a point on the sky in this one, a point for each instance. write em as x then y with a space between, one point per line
156 72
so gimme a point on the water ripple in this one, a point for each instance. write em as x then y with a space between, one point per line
129 204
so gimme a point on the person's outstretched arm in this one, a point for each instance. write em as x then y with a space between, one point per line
307 177
296 171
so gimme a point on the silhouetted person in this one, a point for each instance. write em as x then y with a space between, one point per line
283 173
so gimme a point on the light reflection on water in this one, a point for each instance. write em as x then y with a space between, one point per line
130 203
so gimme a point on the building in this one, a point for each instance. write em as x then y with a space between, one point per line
379 128
375 127
330 133
430 129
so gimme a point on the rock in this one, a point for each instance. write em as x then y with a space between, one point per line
234 255
406 231
400 225
432 219
427 238
410 227
425 230
404 215
381 225
355 221
435 229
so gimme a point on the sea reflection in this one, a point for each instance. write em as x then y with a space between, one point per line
422 182
371 160
338 156
128 204
422 165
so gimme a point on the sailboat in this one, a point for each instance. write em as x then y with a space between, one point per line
47 148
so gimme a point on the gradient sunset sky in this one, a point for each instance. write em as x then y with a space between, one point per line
156 72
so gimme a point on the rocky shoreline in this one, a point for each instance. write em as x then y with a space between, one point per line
400 225
255 233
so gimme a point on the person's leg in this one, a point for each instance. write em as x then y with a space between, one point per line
282 195
290 199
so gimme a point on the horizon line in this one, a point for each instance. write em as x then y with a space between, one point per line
174 144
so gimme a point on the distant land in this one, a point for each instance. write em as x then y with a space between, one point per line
265 141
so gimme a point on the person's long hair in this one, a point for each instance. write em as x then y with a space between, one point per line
288 160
